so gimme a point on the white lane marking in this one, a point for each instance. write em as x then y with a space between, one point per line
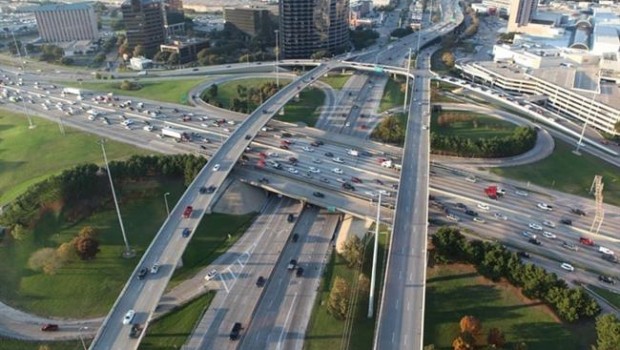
288 315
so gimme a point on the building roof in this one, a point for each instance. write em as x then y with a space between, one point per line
604 34
63 7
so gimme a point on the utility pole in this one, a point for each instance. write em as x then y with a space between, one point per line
277 58
407 78
127 253
373 276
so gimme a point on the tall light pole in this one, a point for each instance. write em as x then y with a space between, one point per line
407 79
166 201
277 58
128 252
82 337
373 276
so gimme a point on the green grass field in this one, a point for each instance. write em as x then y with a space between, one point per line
306 109
476 126
172 330
14 344
88 288
611 297
392 96
173 91
567 172
28 156
454 291
326 332
336 81
228 90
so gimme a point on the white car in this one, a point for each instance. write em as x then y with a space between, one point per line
317 161
338 160
341 180
544 206
479 220
453 217
549 235
483 206
548 223
211 275
528 234
567 267
521 193
535 226
292 170
314 170
273 154
129 316
337 171
471 179
500 216
216 167
308 149
155 268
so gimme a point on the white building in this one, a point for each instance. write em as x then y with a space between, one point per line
381 2
66 22
140 63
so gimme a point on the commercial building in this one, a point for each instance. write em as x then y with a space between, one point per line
575 84
144 24
187 50
250 20
310 26
66 22
521 14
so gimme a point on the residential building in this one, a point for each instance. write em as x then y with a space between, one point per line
310 26
187 50
250 20
144 24
521 14
66 22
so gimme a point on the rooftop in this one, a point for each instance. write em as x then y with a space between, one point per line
63 7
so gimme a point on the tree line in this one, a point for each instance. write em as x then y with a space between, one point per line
520 141
84 189
495 262
247 99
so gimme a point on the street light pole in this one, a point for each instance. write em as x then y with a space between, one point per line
277 58
166 201
373 276
127 252
82 337
407 79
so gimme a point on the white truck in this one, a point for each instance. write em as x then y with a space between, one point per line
353 152
391 164
72 91
175 134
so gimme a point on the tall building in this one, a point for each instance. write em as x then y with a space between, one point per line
308 26
521 13
250 20
144 24
66 22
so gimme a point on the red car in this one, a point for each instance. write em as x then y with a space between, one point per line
586 241
286 142
357 180
262 155
49 327
188 211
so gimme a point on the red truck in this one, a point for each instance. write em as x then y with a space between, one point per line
586 241
188 211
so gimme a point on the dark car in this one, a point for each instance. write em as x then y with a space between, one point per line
290 218
357 180
578 212
461 206
534 241
610 258
210 189
348 186
606 279
263 180
566 221
379 182
186 232
248 137
234 333
295 237
202 190
293 160
284 147
135 331
320 143
318 194
329 154
299 272
142 273
260 282
471 212
523 254
314 144
49 327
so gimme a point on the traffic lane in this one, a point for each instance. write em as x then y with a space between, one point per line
275 295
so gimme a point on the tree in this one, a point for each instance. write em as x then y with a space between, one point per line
114 13
87 247
88 231
212 91
447 57
67 61
338 302
38 259
470 324
66 252
138 51
464 341
123 48
173 59
608 332
161 56
18 232
617 126
520 346
99 58
353 251
129 85
496 338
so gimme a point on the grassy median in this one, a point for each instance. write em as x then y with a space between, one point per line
172 91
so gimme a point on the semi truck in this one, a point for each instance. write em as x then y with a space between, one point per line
391 164
175 134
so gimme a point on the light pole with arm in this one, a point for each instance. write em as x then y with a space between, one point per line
166 201
373 276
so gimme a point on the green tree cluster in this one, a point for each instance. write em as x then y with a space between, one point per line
362 38
51 53
390 130
339 298
401 32
520 141
608 332
494 261
353 251
247 99
129 85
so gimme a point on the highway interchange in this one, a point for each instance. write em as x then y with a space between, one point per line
354 166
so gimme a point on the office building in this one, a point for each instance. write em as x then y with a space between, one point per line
187 50
521 14
144 24
310 26
250 20
66 22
